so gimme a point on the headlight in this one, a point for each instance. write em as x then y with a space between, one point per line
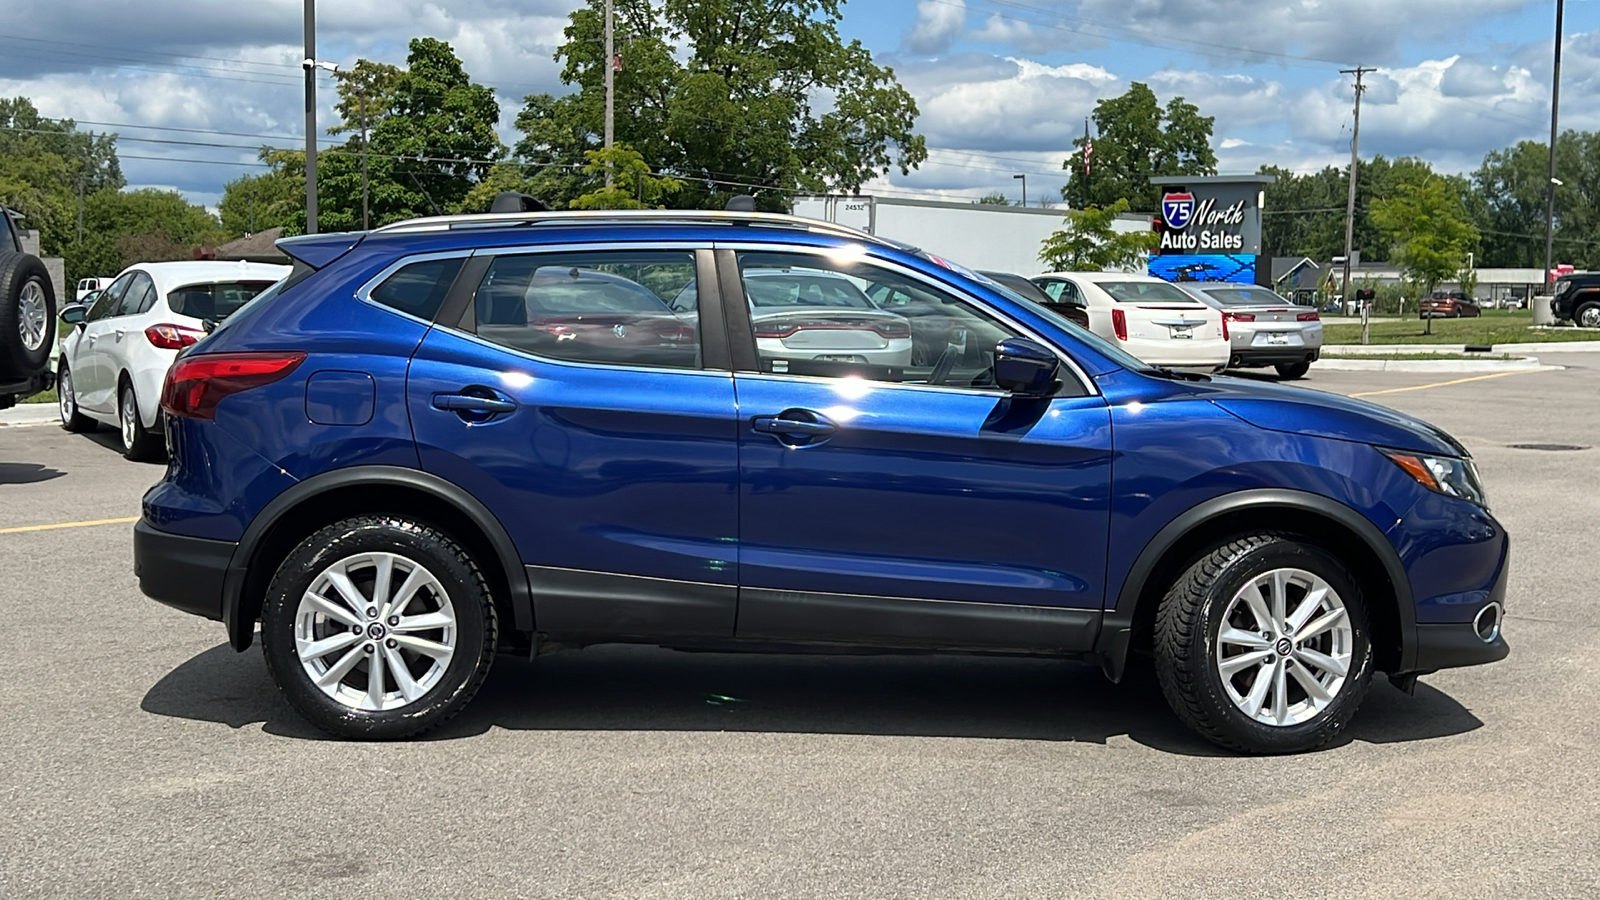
1562 287
1445 474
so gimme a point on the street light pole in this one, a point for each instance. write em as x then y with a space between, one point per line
311 115
1024 188
1550 200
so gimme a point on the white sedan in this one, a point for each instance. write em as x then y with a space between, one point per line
115 358
1148 317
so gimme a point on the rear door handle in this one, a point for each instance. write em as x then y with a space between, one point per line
469 403
780 425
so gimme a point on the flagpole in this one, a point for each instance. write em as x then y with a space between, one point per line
1088 150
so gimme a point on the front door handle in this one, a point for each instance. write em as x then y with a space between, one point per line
470 403
781 425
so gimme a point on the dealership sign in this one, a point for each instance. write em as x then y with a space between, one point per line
1214 227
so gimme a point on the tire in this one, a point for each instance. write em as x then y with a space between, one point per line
1293 370
67 403
27 316
138 443
304 636
1193 647
1587 315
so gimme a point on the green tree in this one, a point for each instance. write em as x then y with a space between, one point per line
366 94
1090 243
273 199
46 165
633 186
1139 139
148 225
1428 229
993 198
732 96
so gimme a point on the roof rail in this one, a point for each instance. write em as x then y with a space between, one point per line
612 216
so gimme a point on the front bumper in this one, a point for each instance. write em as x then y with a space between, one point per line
183 572
1450 646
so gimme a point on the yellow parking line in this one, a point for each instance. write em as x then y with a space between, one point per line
23 528
1423 387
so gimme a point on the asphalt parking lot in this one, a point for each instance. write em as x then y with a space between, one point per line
144 758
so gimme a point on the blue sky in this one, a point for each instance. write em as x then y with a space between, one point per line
1003 85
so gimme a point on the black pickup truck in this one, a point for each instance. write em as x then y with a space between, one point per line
1578 298
27 317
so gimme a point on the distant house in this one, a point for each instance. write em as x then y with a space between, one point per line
261 247
1296 277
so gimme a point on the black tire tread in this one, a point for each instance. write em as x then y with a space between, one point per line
327 541
15 270
78 423
1179 617
146 444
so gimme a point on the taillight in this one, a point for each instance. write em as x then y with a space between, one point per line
893 329
1239 317
197 384
1308 317
775 331
1119 324
171 337
1225 326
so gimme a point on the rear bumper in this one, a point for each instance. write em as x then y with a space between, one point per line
1275 356
183 572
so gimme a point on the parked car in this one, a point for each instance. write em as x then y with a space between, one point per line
1150 318
88 287
1577 298
27 317
1448 305
396 493
1264 329
1030 291
113 361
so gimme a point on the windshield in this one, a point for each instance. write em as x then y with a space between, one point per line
1143 292
1246 295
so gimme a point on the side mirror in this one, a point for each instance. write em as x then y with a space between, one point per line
73 315
1025 367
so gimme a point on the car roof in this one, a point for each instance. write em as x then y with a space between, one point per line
1104 276
171 275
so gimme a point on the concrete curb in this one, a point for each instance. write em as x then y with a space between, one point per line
1521 364
1388 349
28 414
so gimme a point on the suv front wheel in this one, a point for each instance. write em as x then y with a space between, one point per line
378 627
1263 646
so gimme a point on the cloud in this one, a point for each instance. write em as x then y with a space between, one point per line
939 23
986 103
1235 101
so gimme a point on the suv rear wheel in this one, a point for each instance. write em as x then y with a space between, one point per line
378 627
27 315
1587 315
1262 645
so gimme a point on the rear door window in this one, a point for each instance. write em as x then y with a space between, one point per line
625 308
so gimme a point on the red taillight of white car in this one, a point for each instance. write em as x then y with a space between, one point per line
172 337
1308 317
197 384
1119 324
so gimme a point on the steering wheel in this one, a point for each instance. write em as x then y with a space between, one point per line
945 363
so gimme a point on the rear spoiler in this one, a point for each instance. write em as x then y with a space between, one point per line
317 250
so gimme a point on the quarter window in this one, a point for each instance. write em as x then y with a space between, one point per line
613 308
418 289
812 315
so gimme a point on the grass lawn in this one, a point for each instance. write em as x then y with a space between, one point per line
1495 326
46 397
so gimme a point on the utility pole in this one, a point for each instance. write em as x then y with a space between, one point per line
611 87
1550 186
361 95
1350 203
80 208
311 115
1024 178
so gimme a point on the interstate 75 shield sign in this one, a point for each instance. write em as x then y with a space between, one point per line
1177 210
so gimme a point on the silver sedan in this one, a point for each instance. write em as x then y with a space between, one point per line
1264 329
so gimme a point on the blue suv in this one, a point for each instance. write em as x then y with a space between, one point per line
456 437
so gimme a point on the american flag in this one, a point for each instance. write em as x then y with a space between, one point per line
1088 151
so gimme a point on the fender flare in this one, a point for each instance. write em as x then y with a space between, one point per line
1116 629
241 627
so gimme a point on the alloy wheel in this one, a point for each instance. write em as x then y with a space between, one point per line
375 631
64 399
1284 649
1589 317
129 418
32 316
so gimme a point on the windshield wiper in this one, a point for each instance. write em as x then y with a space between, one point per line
1175 375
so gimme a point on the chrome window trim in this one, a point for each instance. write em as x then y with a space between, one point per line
1091 388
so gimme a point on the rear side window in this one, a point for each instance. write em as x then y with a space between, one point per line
215 301
1144 292
419 288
